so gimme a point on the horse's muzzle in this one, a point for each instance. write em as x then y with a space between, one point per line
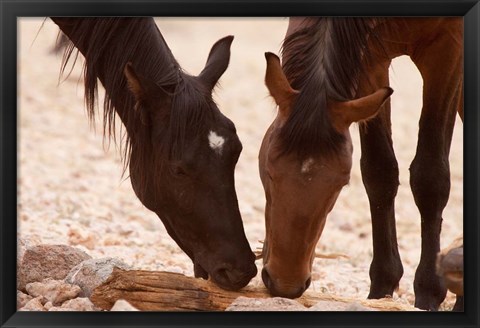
284 291
230 278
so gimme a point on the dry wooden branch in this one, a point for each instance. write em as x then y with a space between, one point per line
166 291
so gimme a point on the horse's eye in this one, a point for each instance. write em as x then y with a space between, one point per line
179 171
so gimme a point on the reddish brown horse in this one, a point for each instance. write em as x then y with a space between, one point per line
335 73
181 149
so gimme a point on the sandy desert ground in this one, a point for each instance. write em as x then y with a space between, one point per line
70 185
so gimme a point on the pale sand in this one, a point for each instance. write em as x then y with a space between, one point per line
71 190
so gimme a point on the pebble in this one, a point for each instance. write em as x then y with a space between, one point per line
55 291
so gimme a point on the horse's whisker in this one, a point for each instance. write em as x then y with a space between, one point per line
331 256
258 255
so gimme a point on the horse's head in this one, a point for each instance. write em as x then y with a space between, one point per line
183 169
302 189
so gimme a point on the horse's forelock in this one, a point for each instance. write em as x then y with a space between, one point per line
192 107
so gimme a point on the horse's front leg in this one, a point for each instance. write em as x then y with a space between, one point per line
441 67
380 176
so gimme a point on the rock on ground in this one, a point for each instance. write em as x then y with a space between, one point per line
338 306
22 299
58 308
122 305
47 261
48 305
76 304
285 304
265 304
35 304
55 291
93 272
449 266
28 241
80 304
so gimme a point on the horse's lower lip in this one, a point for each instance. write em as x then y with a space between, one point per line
199 271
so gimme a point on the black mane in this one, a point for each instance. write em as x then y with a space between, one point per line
108 44
323 61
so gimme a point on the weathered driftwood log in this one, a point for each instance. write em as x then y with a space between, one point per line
166 291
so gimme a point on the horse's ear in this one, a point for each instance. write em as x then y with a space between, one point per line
278 85
217 62
135 82
144 91
361 109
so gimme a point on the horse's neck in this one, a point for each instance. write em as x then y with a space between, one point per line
401 36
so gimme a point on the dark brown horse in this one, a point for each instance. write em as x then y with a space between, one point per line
335 73
181 150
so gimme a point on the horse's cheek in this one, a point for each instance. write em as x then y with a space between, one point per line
183 196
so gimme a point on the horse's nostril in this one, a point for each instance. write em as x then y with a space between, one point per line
222 277
222 274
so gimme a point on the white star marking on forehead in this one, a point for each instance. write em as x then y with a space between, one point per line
307 165
216 142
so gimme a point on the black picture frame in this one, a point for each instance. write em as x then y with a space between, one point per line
10 10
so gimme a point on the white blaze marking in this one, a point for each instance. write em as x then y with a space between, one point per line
307 165
216 142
